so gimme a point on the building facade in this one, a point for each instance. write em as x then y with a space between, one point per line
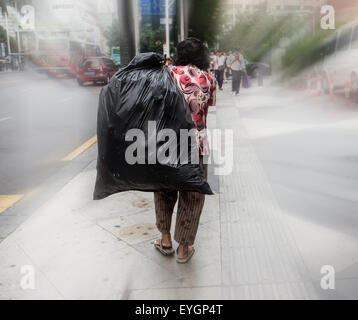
78 20
234 9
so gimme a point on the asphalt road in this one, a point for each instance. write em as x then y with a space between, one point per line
41 121
308 148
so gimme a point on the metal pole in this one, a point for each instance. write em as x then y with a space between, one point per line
182 22
136 25
7 35
167 33
127 31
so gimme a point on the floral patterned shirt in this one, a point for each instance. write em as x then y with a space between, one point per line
199 90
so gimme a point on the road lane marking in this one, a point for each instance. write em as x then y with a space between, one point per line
80 149
7 201
4 119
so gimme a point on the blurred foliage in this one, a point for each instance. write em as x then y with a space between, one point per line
152 40
306 51
3 38
2 34
3 6
257 34
152 34
112 35
204 20
310 49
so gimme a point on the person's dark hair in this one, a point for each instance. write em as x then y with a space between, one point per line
192 51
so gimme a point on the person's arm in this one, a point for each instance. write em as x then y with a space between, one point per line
212 100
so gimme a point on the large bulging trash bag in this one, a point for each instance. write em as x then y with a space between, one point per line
139 104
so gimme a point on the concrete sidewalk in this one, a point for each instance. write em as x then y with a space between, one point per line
82 249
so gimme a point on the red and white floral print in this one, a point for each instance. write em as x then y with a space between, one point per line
199 90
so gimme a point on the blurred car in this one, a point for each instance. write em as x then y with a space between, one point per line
340 63
54 66
96 70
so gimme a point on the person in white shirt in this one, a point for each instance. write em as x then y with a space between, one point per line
236 63
220 65
212 62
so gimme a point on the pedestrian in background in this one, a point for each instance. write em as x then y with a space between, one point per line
236 63
212 62
220 61
228 70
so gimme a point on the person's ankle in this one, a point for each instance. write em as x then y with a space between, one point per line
182 250
166 239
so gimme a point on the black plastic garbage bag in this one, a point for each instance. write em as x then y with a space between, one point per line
139 104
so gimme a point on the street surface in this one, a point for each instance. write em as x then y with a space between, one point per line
288 209
41 121
308 148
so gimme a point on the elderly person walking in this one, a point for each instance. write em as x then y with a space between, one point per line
236 62
199 90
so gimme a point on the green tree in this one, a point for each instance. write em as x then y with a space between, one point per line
112 35
3 37
258 33
152 40
3 6
204 20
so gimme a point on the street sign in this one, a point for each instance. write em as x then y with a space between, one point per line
163 21
156 7
165 50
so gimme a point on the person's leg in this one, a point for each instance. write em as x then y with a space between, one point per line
235 81
216 75
164 203
190 207
239 77
221 79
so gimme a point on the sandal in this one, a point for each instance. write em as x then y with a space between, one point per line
165 251
187 257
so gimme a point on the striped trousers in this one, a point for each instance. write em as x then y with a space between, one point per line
190 206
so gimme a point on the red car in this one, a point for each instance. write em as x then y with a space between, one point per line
96 69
